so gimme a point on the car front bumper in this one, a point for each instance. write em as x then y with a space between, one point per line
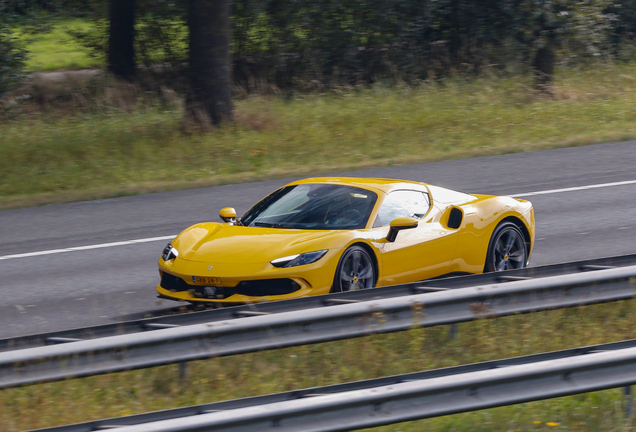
191 281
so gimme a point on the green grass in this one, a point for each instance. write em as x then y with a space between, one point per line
344 361
122 142
55 49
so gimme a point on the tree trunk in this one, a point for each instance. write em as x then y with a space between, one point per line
544 68
121 48
210 68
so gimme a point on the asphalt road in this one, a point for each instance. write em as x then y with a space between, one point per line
85 287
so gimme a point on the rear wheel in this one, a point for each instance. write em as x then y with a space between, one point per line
507 249
355 271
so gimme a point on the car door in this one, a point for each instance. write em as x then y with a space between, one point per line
416 254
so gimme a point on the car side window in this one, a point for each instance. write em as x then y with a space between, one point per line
402 203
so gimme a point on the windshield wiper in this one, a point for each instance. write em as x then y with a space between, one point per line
269 225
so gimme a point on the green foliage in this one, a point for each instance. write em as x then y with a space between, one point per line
24 7
160 35
11 55
350 42
323 43
580 28
623 30
51 46
29 7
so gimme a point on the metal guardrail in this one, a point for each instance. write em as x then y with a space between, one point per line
181 344
400 397
229 313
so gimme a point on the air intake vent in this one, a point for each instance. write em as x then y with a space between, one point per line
455 218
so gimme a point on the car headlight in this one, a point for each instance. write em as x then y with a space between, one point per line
299 259
169 252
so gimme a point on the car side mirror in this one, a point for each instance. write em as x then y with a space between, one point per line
228 214
399 224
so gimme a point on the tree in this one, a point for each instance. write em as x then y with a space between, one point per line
210 91
121 41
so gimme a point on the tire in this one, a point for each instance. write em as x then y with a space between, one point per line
355 271
507 249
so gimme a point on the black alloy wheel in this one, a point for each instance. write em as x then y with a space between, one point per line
507 249
355 271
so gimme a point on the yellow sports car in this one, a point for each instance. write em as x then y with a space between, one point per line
323 235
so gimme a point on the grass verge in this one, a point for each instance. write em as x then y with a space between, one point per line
368 357
124 143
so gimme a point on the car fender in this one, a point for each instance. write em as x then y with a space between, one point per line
480 220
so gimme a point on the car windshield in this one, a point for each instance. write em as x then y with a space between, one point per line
313 206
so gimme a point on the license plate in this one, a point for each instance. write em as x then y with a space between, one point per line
206 280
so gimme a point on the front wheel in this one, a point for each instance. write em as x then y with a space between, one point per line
355 271
507 249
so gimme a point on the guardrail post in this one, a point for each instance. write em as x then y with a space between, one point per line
183 371
453 332
629 401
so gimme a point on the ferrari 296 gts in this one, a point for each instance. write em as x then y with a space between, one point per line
322 235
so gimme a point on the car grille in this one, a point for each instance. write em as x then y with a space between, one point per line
265 287
252 288
173 283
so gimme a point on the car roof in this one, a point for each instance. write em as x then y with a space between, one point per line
384 185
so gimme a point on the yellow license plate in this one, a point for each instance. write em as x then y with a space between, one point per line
206 280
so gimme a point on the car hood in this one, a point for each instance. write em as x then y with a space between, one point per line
223 243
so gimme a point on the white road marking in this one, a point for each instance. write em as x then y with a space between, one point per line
170 237
79 248
571 189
